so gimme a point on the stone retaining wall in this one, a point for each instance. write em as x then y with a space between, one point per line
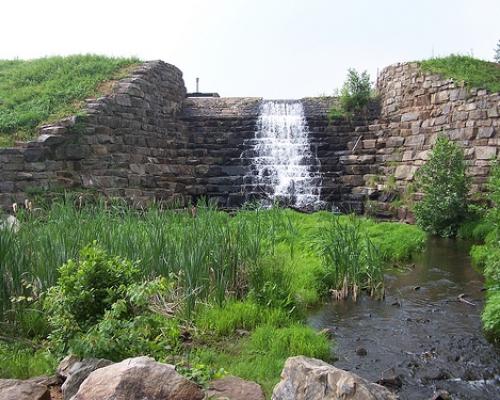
418 106
146 142
123 144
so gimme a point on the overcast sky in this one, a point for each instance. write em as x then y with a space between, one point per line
269 48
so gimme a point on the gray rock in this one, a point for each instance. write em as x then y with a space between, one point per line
234 388
74 371
13 389
138 379
309 379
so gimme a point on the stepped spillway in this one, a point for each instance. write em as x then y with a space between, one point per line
283 167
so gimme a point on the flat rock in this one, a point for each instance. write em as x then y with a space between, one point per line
14 389
138 379
234 388
305 378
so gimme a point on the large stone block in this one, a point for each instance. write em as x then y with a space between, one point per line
485 152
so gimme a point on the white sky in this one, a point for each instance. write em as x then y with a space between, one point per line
270 48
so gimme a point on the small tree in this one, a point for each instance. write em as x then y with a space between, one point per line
356 91
354 95
445 185
497 53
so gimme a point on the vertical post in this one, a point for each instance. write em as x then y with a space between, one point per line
197 85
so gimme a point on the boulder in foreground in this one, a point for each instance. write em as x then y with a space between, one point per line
138 379
14 389
306 378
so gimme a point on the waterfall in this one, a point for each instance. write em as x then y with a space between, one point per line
283 166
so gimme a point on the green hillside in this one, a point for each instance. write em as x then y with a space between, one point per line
36 92
474 72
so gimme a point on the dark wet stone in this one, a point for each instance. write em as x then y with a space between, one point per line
391 379
361 351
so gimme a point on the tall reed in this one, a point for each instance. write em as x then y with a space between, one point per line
351 261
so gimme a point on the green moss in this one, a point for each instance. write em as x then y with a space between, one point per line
474 72
36 92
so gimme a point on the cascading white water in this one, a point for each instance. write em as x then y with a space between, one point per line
283 166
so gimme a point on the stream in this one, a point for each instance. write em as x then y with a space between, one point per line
421 338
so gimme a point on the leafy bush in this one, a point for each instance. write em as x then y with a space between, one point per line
354 95
491 315
444 183
99 308
491 251
356 91
89 286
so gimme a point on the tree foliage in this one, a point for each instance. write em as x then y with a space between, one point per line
497 53
356 91
354 96
444 184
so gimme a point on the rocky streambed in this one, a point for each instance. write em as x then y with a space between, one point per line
426 335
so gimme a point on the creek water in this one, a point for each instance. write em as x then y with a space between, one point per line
421 335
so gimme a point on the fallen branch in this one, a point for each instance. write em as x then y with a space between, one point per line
461 298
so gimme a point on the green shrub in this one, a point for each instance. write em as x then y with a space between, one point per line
356 91
488 256
444 183
491 315
117 337
89 286
355 95
99 308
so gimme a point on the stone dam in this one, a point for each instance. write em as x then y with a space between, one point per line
147 142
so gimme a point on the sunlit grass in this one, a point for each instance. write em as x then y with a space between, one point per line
268 254
474 72
36 92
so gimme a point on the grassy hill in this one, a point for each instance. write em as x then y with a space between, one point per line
36 92
474 72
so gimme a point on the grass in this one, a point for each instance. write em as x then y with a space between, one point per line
252 274
37 92
212 254
239 315
18 361
474 72
484 227
261 356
